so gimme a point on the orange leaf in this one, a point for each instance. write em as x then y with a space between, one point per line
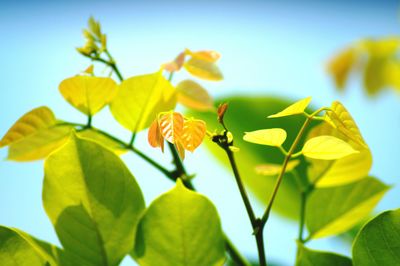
193 134
194 96
180 149
171 126
154 136
175 65
206 55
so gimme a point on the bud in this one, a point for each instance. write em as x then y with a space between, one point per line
221 112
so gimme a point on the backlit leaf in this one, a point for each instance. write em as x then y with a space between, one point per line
95 136
327 148
342 171
203 69
206 55
140 99
90 197
17 248
191 234
34 135
271 137
378 241
309 257
294 109
334 210
274 169
88 94
194 96
193 134
171 126
154 136
344 122
340 66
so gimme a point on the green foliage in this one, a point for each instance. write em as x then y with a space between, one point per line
187 219
378 241
309 257
93 202
333 210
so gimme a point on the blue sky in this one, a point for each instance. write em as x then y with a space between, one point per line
268 48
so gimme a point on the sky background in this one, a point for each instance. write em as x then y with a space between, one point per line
268 48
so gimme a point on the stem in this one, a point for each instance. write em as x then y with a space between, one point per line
89 122
113 65
242 189
260 246
265 217
234 253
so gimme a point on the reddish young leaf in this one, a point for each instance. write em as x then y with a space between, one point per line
175 65
154 136
171 126
193 134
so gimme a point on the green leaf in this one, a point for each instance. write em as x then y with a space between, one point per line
334 210
34 135
378 242
180 228
17 248
309 257
93 202
294 109
270 137
140 99
247 114
88 94
327 148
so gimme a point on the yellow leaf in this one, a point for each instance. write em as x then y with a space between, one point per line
154 136
194 96
181 150
341 65
193 134
342 171
175 65
171 126
294 109
327 148
89 70
102 140
203 69
271 137
88 94
274 169
206 55
140 99
341 119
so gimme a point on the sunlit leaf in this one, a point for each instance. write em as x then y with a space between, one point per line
34 135
179 228
271 137
95 136
327 148
154 136
309 257
140 99
334 210
17 248
193 133
203 69
175 65
274 169
378 241
90 197
246 114
294 109
89 70
193 95
342 171
88 94
206 55
171 126
181 150
344 122
340 66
